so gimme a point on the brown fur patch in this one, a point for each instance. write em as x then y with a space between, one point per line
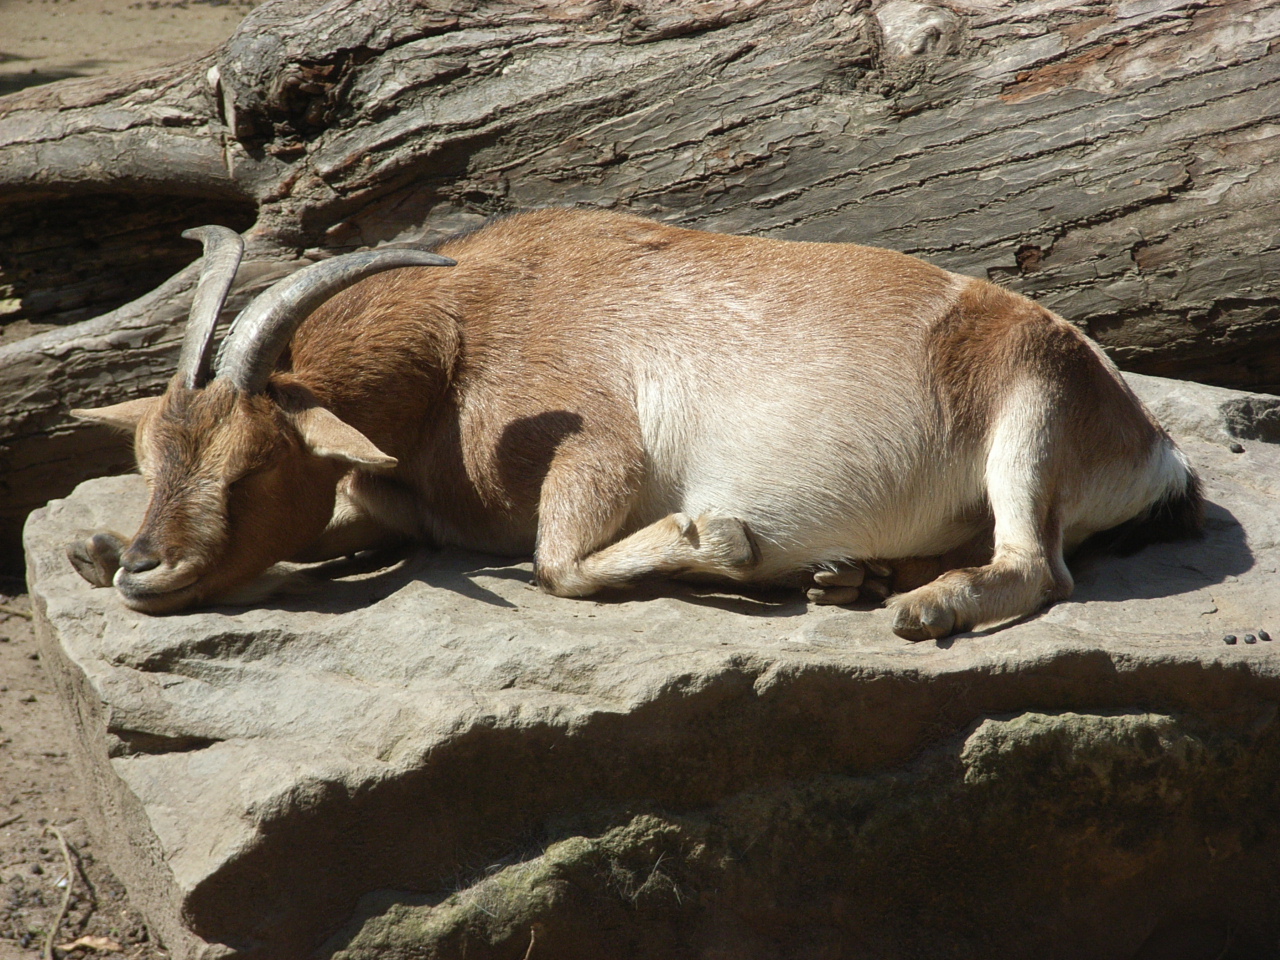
992 337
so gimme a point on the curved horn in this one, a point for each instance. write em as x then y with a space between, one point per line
259 335
223 249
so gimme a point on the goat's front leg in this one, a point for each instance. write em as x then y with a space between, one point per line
97 556
711 544
584 501
352 529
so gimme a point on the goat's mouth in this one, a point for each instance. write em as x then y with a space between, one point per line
165 589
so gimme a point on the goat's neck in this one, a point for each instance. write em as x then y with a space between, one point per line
387 383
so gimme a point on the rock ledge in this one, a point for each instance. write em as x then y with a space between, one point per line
436 760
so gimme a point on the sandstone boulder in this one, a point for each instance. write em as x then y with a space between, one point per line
436 760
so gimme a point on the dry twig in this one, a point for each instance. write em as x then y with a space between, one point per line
97 944
14 611
533 938
66 897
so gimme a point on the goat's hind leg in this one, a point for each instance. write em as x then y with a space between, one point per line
1027 568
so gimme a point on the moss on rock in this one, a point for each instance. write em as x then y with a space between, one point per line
1037 835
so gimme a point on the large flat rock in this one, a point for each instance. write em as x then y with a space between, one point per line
437 760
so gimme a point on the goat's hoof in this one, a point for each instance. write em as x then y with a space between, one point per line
850 581
830 596
724 541
849 574
922 619
876 591
684 523
97 557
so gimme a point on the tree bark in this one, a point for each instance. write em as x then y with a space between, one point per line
1118 161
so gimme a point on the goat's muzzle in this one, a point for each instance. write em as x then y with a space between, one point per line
139 557
152 585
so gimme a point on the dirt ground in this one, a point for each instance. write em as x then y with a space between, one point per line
39 792
42 41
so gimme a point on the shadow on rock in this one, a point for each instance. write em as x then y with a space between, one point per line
1159 570
341 586
1167 569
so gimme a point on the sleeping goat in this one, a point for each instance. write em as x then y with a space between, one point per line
627 400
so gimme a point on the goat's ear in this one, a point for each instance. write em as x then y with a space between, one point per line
121 416
327 436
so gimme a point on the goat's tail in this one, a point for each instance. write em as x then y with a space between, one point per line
1178 514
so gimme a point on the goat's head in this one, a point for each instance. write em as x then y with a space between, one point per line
242 466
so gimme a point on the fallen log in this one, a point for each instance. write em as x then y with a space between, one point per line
1118 162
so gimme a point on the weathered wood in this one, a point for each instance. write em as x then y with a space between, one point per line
1118 161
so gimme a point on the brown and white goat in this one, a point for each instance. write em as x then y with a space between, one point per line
624 399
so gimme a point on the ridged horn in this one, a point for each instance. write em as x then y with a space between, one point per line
223 249
263 329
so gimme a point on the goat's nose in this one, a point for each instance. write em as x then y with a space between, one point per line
139 559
